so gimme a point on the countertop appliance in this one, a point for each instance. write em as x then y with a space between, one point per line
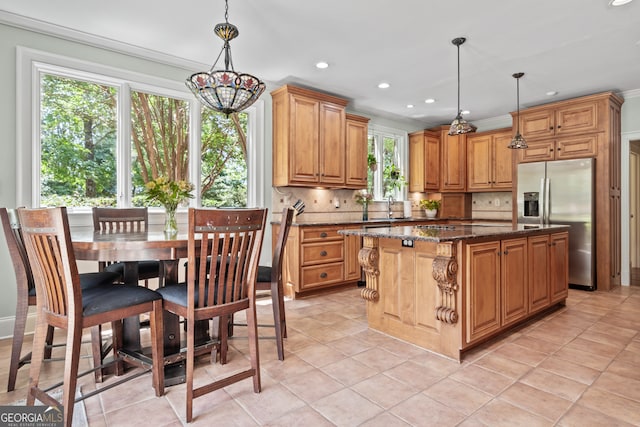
561 192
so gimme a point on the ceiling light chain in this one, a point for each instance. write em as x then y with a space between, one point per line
518 141
225 90
459 125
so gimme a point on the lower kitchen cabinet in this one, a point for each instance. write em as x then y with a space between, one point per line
317 257
511 279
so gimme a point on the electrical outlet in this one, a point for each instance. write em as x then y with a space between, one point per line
496 202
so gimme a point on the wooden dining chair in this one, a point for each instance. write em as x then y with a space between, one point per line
117 220
62 303
26 296
232 237
270 279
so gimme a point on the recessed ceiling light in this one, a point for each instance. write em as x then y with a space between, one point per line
619 2
552 93
322 65
409 105
465 112
383 85
429 101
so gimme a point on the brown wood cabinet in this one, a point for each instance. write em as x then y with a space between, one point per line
548 270
317 257
356 149
453 161
489 161
586 127
497 286
424 161
308 138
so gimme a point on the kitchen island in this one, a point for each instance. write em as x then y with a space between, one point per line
450 287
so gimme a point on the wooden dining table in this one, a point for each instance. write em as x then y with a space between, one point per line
129 248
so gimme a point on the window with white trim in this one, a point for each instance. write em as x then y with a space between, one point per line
389 146
95 135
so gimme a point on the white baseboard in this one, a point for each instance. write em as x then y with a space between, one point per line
7 323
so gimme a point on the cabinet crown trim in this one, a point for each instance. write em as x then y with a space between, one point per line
311 94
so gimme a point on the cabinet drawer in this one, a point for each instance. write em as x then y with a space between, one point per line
577 147
320 234
322 252
321 275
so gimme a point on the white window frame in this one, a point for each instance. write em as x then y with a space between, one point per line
379 133
31 64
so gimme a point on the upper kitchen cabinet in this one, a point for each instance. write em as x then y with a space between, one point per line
357 128
489 161
453 161
424 161
564 130
308 138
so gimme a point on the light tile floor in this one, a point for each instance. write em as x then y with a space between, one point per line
578 366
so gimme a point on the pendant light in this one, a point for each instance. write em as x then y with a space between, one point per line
460 125
518 141
225 90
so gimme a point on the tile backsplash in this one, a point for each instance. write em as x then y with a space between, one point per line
496 205
328 205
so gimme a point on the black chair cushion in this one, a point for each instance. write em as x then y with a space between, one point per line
177 294
91 280
146 269
264 273
107 298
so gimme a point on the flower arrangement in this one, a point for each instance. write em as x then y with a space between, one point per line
430 204
363 197
169 194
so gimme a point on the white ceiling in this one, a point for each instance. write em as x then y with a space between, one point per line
574 47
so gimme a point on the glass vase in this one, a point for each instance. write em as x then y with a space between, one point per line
365 212
170 222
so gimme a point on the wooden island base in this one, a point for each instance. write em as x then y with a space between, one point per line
448 292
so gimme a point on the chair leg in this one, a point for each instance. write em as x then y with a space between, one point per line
190 367
37 356
16 346
71 362
96 350
223 336
157 351
252 327
49 343
278 315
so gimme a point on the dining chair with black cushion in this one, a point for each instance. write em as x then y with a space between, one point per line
270 279
117 220
26 295
219 289
62 303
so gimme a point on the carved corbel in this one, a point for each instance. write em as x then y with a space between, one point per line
368 258
445 269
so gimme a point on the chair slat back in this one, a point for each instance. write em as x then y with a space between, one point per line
281 243
13 236
48 244
232 238
116 220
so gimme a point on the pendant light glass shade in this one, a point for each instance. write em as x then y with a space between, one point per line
518 141
459 125
225 90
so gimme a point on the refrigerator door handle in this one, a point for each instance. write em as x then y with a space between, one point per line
547 201
543 201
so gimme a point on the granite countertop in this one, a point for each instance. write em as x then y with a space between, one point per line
453 231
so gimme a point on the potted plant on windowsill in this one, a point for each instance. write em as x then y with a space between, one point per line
430 207
372 162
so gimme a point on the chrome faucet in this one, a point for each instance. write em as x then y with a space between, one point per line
390 207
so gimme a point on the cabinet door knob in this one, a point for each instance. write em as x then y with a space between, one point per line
551 128
558 148
323 275
323 234
506 252
559 126
551 149
323 253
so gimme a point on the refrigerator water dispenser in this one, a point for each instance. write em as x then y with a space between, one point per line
531 204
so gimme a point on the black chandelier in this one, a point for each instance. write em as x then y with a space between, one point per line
225 90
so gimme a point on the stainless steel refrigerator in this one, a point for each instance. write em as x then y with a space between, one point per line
561 192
